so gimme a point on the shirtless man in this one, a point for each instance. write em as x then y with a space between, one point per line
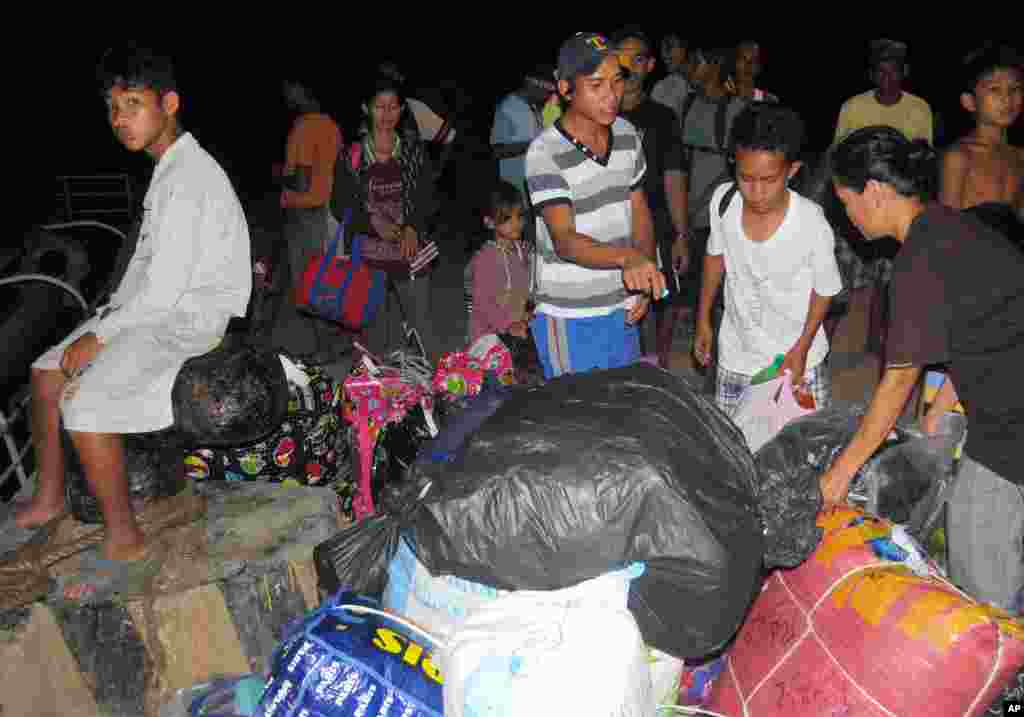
983 167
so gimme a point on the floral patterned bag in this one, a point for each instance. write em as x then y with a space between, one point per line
308 448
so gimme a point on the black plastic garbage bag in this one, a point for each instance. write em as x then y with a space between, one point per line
395 454
905 481
357 559
574 479
231 396
789 467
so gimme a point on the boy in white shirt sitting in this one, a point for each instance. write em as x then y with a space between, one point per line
776 253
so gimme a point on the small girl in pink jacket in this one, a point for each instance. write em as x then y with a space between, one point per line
500 270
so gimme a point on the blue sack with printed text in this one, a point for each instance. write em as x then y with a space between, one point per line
348 658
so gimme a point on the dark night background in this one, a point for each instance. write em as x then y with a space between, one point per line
233 104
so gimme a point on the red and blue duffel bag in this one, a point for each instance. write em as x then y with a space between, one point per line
339 288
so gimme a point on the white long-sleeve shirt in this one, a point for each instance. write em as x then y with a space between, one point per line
192 264
191 272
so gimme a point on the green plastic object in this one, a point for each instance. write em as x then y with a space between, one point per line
769 374
248 693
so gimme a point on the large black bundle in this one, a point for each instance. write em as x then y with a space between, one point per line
585 474
233 395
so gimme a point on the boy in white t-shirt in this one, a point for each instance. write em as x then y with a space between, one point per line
776 253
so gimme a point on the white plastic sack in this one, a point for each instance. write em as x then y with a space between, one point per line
538 654
764 409
666 674
435 603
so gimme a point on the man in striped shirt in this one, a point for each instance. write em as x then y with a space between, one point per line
596 269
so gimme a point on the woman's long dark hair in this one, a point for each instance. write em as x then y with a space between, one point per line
885 155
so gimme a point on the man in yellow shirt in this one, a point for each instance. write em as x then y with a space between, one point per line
887 104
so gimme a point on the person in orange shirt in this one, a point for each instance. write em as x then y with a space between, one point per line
307 182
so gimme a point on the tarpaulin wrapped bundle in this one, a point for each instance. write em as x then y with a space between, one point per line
582 476
866 626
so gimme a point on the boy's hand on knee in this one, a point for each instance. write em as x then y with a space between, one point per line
80 354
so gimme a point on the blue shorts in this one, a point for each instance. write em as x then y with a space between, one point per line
580 345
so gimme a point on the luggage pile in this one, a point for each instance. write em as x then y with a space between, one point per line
606 543
611 514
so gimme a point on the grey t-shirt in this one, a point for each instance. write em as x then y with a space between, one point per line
708 145
670 92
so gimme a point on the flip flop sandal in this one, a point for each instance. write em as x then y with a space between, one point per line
36 536
42 533
20 504
105 579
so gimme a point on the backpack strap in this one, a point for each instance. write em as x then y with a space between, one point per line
684 110
720 122
723 205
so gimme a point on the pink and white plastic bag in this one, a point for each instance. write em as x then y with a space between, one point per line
766 408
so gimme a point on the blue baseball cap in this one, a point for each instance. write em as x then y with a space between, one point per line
582 54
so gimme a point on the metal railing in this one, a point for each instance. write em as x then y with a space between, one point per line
17 411
95 195
16 453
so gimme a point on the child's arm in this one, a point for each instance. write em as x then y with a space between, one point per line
954 172
796 357
488 316
714 270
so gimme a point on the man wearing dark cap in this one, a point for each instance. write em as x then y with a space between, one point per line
887 104
596 270
517 122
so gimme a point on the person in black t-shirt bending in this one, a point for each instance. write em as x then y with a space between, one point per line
665 183
957 297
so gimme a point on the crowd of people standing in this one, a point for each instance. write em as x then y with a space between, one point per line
622 210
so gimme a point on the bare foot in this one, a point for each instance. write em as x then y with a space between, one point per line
37 513
124 552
